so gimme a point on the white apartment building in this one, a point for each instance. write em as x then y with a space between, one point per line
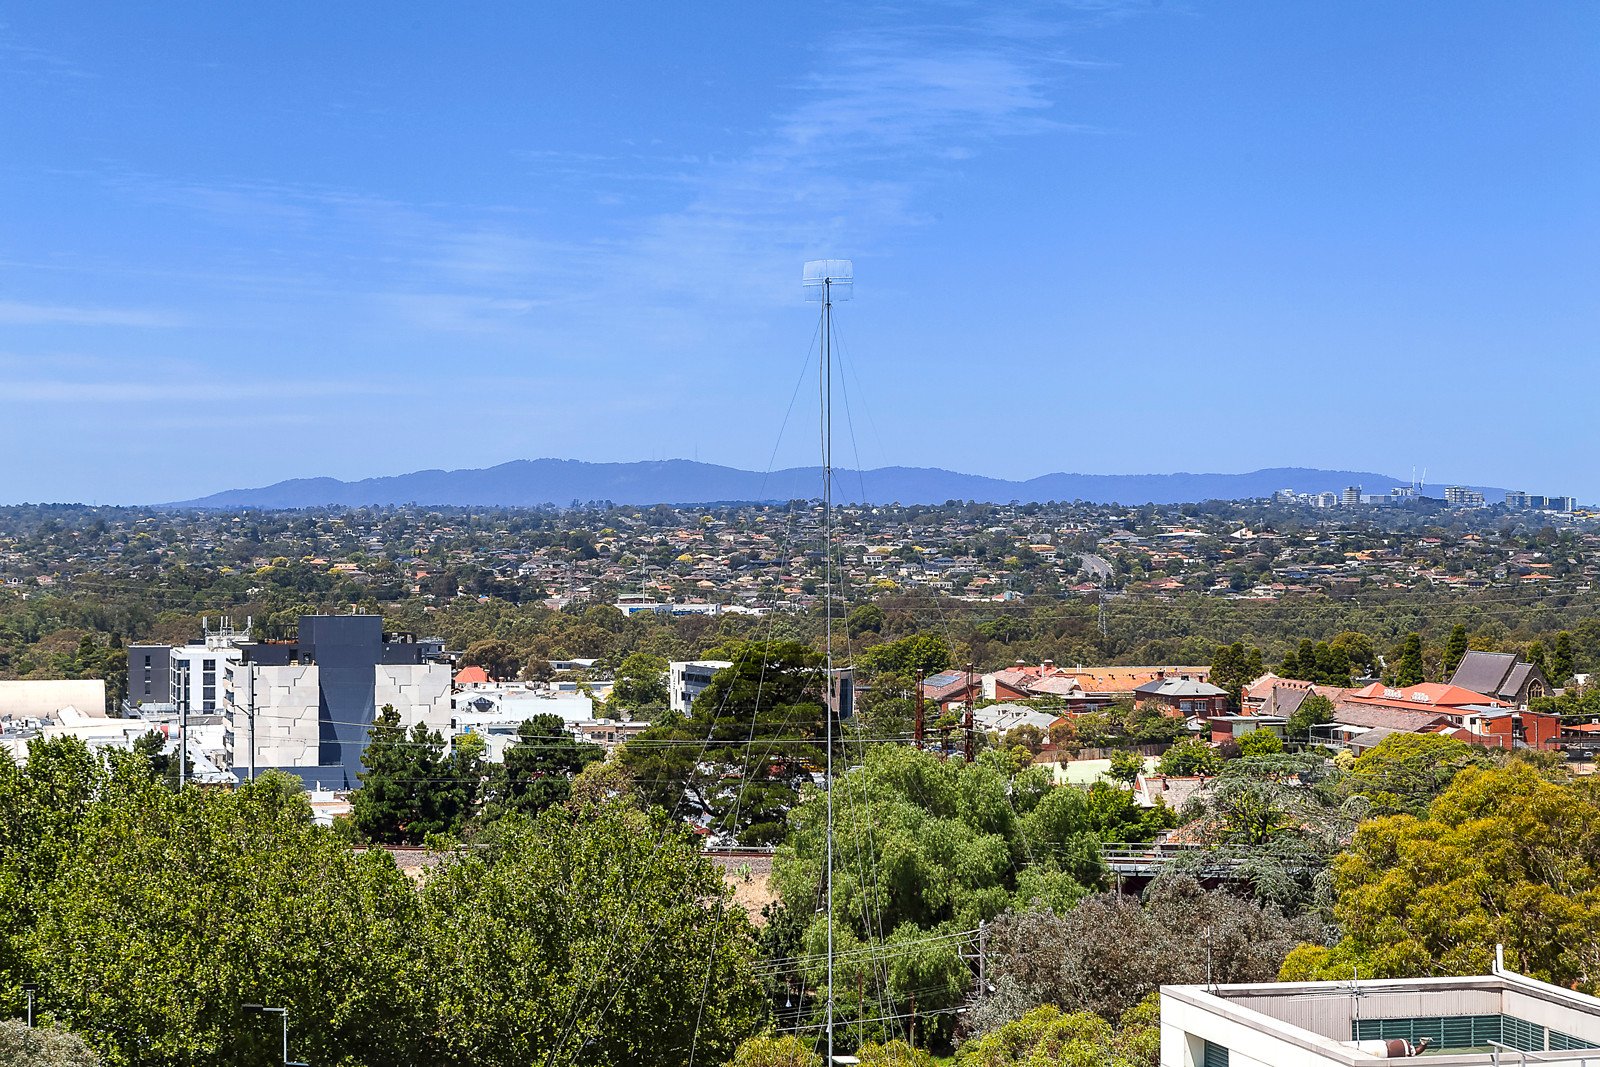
285 704
1499 1018
197 672
687 679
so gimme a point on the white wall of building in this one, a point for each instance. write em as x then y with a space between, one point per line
287 714
686 679
42 698
288 708
420 692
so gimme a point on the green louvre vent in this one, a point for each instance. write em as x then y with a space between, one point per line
1567 1043
1216 1056
1469 1032
1521 1034
1446 1032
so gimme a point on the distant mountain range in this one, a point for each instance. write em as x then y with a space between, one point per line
528 483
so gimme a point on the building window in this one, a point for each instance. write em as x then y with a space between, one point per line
1215 1056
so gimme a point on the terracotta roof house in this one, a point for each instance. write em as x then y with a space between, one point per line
1272 695
1426 695
1092 685
472 676
1501 675
1449 709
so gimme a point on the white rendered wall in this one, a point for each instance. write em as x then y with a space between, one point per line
420 692
288 728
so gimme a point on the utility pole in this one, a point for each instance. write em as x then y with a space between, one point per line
983 959
828 280
183 743
918 729
966 720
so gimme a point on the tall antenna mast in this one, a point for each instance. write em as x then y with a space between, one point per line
827 280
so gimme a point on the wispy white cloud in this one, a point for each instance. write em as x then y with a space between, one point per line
21 313
206 389
885 112
32 61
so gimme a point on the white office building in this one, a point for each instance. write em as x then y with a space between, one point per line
687 679
1499 1018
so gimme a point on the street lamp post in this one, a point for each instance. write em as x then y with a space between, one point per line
284 1014
30 989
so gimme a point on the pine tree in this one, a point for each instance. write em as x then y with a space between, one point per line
1407 669
410 788
1455 648
1290 667
1561 665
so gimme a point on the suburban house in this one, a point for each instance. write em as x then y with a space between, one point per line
1501 675
1003 718
1173 791
1090 687
1233 727
949 689
1272 695
1433 707
1184 696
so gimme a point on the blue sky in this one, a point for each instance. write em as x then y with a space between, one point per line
240 244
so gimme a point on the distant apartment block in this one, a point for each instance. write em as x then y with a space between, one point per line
1533 502
1462 497
186 677
149 674
687 679
311 700
635 604
1351 497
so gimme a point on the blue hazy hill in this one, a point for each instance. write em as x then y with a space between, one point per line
527 483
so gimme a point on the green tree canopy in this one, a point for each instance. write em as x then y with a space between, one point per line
410 787
755 738
1406 668
1126 765
1233 667
1503 856
1315 710
1455 647
43 1046
1046 1035
1403 773
925 849
1113 950
499 659
538 768
605 939
641 681
1260 743
1191 756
